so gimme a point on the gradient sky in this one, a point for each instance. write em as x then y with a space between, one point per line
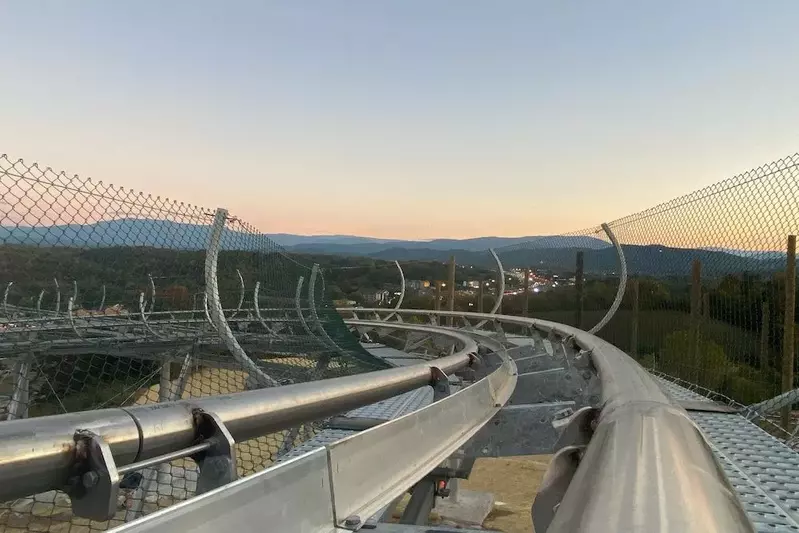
408 119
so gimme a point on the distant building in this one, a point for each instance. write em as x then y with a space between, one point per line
111 310
376 297
417 284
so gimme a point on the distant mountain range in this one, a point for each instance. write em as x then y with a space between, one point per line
169 234
556 253
351 245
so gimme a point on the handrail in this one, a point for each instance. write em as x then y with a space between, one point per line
647 466
36 453
337 486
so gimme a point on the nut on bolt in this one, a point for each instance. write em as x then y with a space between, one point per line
352 520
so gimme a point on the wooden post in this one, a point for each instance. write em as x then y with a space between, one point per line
578 286
696 318
634 324
788 328
451 287
480 296
437 303
526 310
765 326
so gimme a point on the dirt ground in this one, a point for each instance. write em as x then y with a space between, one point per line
514 481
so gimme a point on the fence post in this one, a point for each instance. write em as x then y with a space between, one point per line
765 325
634 323
706 306
451 291
437 303
696 318
578 286
525 311
480 296
788 329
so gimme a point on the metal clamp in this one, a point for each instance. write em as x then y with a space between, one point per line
93 484
441 388
577 428
217 463
554 485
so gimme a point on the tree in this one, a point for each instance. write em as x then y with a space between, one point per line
177 297
709 370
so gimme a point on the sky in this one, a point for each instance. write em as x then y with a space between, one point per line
403 119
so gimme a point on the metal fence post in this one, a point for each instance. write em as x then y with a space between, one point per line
634 321
765 325
480 296
788 329
451 288
215 309
696 317
526 310
578 286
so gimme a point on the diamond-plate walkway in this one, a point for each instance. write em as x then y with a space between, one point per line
763 470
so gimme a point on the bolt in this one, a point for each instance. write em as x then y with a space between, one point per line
90 479
565 413
352 520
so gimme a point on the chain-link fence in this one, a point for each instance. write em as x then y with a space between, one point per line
113 298
706 297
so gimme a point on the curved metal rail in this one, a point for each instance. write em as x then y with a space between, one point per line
402 290
500 289
622 281
335 488
36 454
637 464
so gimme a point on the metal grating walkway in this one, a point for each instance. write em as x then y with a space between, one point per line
763 470
384 410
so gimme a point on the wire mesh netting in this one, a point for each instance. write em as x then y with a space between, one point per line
113 298
706 297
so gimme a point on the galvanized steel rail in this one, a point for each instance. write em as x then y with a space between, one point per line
638 464
36 454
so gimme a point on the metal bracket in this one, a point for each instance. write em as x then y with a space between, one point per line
441 388
217 463
93 485
554 485
577 426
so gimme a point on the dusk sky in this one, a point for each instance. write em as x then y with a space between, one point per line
405 119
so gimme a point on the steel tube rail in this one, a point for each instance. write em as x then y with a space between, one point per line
36 453
647 466
665 476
